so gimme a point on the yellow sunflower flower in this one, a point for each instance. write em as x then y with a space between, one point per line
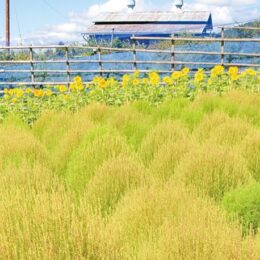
125 80
176 75
168 80
19 93
38 93
62 88
233 70
217 71
199 76
77 79
48 92
136 82
250 72
154 78
145 81
234 77
102 83
185 71
28 91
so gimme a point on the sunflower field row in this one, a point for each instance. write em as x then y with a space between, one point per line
29 102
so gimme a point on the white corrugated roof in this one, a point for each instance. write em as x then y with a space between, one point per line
144 28
180 16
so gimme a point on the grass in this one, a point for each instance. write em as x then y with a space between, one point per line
168 157
175 181
244 202
169 221
113 180
100 145
163 132
251 151
213 169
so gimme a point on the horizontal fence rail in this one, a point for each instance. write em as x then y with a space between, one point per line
7 66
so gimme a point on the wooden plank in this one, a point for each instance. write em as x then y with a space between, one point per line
222 46
67 65
173 54
30 83
134 54
129 61
99 61
32 65
200 39
93 48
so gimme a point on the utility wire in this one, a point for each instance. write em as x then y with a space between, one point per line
55 10
18 22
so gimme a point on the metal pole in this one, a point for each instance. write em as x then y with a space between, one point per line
7 29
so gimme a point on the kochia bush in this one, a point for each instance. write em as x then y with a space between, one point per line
213 170
244 202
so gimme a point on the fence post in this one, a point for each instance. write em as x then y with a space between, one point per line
32 67
134 53
222 45
67 65
173 53
99 61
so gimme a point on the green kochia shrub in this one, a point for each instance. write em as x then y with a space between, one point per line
245 203
191 116
169 222
96 112
171 109
250 148
219 128
112 180
231 132
15 121
257 244
99 145
143 107
18 145
61 133
131 124
208 103
211 103
39 218
75 133
244 106
213 169
208 124
51 126
163 132
168 156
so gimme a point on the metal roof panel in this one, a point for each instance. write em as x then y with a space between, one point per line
144 28
153 16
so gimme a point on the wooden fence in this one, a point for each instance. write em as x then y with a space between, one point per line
134 49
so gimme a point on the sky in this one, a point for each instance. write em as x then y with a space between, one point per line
51 21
